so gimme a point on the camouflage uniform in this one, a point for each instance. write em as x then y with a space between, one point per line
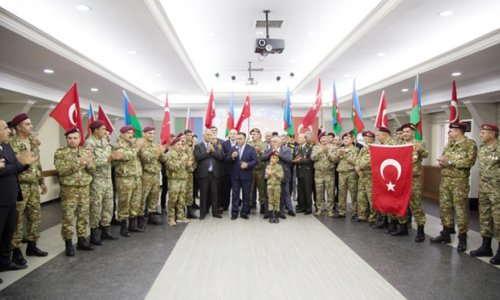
177 181
489 189
348 180
29 181
128 181
189 150
454 186
324 176
274 185
151 167
365 186
258 180
74 180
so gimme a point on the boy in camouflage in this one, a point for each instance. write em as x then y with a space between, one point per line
274 174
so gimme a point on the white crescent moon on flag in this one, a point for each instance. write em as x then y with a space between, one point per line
71 113
390 162
454 105
302 127
384 113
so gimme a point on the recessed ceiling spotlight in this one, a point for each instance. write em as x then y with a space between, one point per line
446 13
157 75
48 71
94 90
82 7
211 33
380 54
259 33
293 61
347 75
311 33
456 74
404 90
132 52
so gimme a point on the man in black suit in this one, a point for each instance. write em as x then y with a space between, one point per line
208 171
218 145
10 192
305 174
226 178
243 158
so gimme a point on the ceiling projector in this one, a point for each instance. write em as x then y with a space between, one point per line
269 46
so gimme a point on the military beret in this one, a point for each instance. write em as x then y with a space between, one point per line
322 134
175 141
148 128
18 119
126 128
71 130
96 124
331 134
347 134
460 126
489 127
399 129
368 134
254 129
408 125
179 135
384 129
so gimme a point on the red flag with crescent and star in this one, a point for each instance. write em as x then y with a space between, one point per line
67 112
166 125
381 120
392 170
454 105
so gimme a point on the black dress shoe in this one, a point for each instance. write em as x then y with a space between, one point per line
234 218
308 212
300 210
12 267
202 216
244 217
291 213
217 215
282 215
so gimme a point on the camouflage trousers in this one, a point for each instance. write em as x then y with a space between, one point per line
348 181
274 194
31 206
454 194
259 182
176 196
365 203
129 197
324 180
150 191
489 209
189 190
75 204
415 203
101 201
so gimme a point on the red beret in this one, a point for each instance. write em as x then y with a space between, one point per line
175 141
384 129
347 134
460 126
489 127
126 128
368 134
408 125
71 130
96 124
322 134
148 128
18 119
179 135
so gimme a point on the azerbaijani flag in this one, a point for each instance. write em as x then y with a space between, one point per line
416 111
337 121
287 115
91 119
356 116
230 116
131 116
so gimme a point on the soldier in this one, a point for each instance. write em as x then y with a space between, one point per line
348 178
304 167
74 166
101 187
364 169
177 165
267 140
323 156
128 181
399 135
188 148
489 187
258 180
458 158
292 185
274 174
151 156
31 182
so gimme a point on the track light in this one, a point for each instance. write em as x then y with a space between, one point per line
233 78
292 74
217 75
278 78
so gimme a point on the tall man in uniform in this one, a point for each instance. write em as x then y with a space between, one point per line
322 155
305 175
258 181
188 149
348 178
458 158
364 169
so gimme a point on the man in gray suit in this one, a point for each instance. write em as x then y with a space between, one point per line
286 160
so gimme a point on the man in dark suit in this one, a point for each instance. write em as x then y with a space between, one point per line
243 158
218 143
226 178
208 172
10 192
305 174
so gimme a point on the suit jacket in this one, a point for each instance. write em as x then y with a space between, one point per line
227 164
249 156
286 161
305 168
10 190
203 159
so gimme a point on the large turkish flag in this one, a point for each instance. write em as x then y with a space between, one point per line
67 112
391 177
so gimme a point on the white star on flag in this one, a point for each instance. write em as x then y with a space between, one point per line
390 186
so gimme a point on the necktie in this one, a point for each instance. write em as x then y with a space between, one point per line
240 151
210 166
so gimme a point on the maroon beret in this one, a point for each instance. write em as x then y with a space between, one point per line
384 129
96 124
368 134
322 134
148 128
18 119
460 126
71 130
126 128
489 127
347 134
175 141
179 135
408 125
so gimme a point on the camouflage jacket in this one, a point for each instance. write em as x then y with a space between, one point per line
323 161
418 156
260 148
189 151
129 165
363 161
177 165
276 176
34 173
347 161
69 169
150 161
462 156
489 164
100 150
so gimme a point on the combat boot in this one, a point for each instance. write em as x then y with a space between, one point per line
496 259
420 234
124 229
83 244
33 250
106 235
392 227
443 237
484 250
401 231
276 217
132 226
270 216
17 257
70 251
381 224
141 225
95 239
462 242
191 213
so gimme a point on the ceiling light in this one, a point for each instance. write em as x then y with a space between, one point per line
404 90
311 33
347 75
82 7
211 33
94 90
446 13
456 74
157 75
48 71
380 54
259 33
293 61
132 52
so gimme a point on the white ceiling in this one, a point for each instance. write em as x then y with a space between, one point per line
180 45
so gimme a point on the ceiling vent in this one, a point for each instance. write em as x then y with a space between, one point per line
272 23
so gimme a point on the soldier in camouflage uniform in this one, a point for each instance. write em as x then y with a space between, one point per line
364 169
458 158
348 178
188 148
323 155
128 181
489 191
258 181
74 166
177 165
274 174
30 181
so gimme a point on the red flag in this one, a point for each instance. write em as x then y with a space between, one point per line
91 119
67 112
454 105
101 116
165 126
382 113
391 177
245 114
310 117
210 115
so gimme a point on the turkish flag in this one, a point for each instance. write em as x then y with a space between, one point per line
245 114
166 125
310 117
210 114
382 113
454 105
67 112
102 116
391 177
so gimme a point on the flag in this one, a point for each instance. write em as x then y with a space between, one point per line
188 123
166 126
91 119
210 114
101 116
287 115
230 116
337 121
454 105
67 112
131 116
416 111
245 113
310 117
381 120
356 116
391 178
